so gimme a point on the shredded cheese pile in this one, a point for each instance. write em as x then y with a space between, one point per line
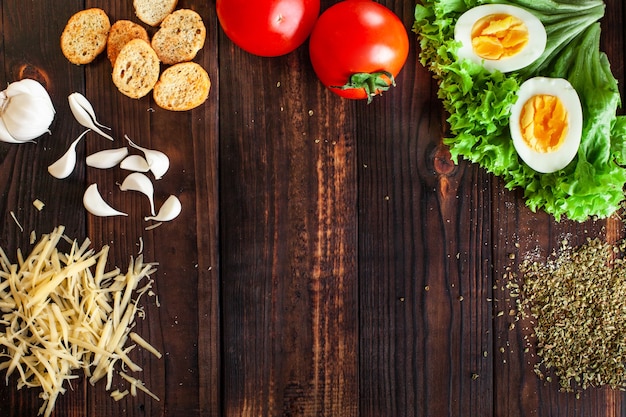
62 312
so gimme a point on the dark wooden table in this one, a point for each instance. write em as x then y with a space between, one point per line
330 259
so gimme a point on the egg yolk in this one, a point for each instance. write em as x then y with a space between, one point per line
544 123
498 36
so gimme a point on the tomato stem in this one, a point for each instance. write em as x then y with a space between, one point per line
373 83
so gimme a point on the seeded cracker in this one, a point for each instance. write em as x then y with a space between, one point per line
122 32
180 37
85 36
136 69
182 87
152 12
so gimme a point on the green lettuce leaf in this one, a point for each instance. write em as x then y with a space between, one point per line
478 103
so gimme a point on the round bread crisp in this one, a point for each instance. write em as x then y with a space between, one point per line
180 37
182 87
85 35
120 34
136 69
152 12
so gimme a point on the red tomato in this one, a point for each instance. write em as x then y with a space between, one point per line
357 48
268 27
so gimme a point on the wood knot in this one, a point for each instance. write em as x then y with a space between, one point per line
34 73
442 161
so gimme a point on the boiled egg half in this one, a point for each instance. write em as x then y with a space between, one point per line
546 123
500 37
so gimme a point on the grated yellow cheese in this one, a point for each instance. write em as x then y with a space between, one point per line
58 316
39 205
144 344
117 395
17 222
136 383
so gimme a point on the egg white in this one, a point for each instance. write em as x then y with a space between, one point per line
558 159
537 37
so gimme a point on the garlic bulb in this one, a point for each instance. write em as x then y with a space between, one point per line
5 136
26 111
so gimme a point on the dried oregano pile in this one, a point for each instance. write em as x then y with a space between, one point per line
577 306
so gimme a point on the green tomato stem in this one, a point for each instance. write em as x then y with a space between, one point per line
373 83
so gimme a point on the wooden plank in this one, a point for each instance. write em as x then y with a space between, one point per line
288 239
163 326
424 324
183 324
185 328
524 234
36 54
205 134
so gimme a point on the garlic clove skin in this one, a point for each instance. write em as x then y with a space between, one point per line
170 209
64 166
135 163
95 204
5 136
26 110
158 162
84 114
141 183
107 158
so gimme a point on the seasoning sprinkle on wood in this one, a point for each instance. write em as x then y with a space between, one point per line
577 304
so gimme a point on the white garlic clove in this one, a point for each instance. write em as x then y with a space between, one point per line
82 101
159 162
95 204
170 209
107 158
141 183
84 114
64 166
135 163
26 110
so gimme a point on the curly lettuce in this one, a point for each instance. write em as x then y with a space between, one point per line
478 103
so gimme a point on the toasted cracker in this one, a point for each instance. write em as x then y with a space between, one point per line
182 87
85 35
180 37
152 12
136 69
122 32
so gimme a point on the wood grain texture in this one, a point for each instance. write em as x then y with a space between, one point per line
330 260
290 302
